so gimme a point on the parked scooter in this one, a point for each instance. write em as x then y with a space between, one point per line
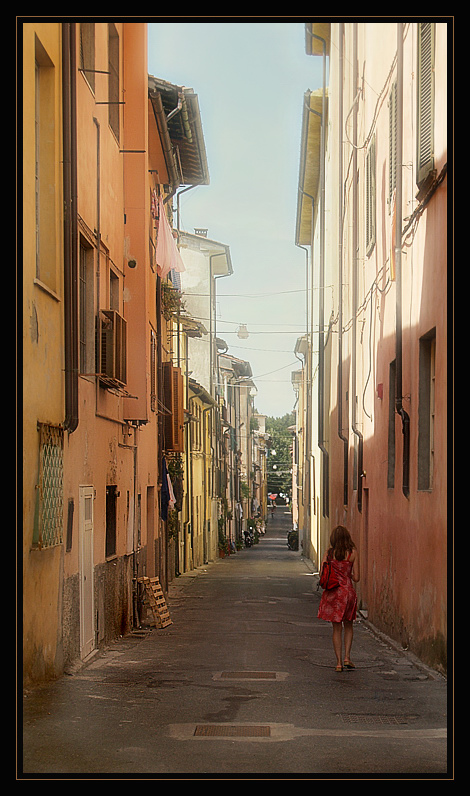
248 539
293 540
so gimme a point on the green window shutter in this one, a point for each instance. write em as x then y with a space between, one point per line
425 101
370 197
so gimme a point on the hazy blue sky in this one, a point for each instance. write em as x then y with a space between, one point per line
250 79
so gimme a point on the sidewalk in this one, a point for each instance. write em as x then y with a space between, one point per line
241 685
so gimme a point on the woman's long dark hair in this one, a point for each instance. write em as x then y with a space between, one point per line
341 543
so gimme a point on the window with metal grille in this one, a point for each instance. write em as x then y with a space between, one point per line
87 52
48 526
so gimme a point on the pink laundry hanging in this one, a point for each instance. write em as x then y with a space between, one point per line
167 255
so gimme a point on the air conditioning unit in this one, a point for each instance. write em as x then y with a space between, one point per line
111 341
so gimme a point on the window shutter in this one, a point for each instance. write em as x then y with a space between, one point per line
111 342
177 411
173 407
425 101
370 197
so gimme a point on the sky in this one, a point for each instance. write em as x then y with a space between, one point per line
250 79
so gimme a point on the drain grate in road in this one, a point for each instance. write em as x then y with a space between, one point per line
232 731
372 719
249 675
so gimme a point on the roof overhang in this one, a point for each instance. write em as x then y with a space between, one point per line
240 367
301 345
217 253
192 327
317 38
199 392
309 170
176 110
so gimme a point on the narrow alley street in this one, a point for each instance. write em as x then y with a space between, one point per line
241 685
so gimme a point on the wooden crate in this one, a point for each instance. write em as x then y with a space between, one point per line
155 599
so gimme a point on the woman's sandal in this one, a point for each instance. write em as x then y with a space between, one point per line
349 665
339 668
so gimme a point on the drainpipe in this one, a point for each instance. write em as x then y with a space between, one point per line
405 419
70 226
340 269
307 366
321 361
358 434
206 485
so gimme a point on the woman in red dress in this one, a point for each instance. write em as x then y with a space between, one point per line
339 605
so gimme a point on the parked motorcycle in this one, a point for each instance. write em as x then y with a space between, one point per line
293 540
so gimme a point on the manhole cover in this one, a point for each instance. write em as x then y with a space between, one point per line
232 731
249 675
372 719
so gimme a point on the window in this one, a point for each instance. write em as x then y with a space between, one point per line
113 80
196 427
87 52
370 197
113 291
87 313
45 164
111 517
48 525
425 103
426 411
391 425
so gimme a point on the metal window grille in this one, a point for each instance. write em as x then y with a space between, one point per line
49 530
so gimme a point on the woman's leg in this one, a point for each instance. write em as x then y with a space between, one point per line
348 638
337 641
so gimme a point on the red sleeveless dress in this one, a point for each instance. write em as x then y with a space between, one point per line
339 604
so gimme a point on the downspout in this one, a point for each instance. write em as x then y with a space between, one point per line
405 419
308 368
205 537
308 475
340 269
70 226
98 223
360 439
321 320
213 300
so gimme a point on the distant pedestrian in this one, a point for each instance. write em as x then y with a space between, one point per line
339 605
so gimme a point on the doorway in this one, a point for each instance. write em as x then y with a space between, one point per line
87 625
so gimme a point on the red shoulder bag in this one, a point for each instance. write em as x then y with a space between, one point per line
328 577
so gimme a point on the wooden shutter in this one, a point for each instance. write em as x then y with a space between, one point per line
425 103
111 343
370 197
173 420
178 422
